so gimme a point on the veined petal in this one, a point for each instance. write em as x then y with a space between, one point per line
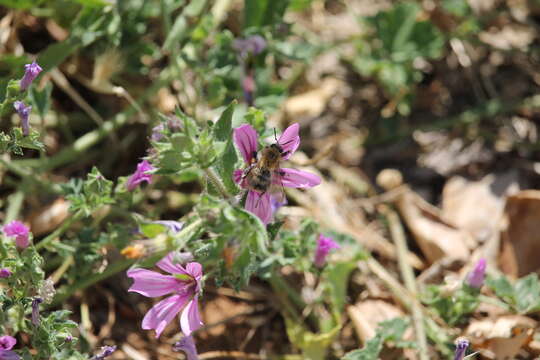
190 320
164 312
245 138
259 204
152 284
194 269
168 264
296 178
290 140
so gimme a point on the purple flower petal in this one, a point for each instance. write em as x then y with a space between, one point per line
296 178
35 310
290 140
140 175
106 351
164 312
461 349
174 226
259 204
8 355
194 269
237 176
245 138
190 320
187 345
4 273
152 284
169 265
7 342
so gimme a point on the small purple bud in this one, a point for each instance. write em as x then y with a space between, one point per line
252 45
35 310
106 351
31 71
140 175
19 231
4 273
24 114
324 246
69 338
476 277
174 226
157 132
249 86
7 342
187 345
461 349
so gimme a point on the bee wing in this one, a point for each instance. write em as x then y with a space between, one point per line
276 189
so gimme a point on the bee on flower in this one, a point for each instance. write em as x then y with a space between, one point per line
263 177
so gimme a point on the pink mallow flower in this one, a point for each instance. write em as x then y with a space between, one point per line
31 71
257 202
19 231
6 344
140 175
476 277
324 246
185 285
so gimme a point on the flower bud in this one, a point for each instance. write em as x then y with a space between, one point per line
31 71
475 279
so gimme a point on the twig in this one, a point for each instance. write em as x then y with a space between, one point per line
410 281
231 354
60 79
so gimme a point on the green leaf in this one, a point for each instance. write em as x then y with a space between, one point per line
41 99
179 32
502 287
194 8
313 346
390 330
227 166
151 230
222 129
337 278
258 13
527 294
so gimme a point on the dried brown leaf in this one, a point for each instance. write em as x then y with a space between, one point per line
521 237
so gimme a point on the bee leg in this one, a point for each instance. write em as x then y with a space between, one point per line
247 171
285 153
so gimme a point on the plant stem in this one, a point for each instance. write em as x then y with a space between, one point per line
281 289
410 281
216 181
67 223
112 269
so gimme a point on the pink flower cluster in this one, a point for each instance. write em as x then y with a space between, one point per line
19 231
